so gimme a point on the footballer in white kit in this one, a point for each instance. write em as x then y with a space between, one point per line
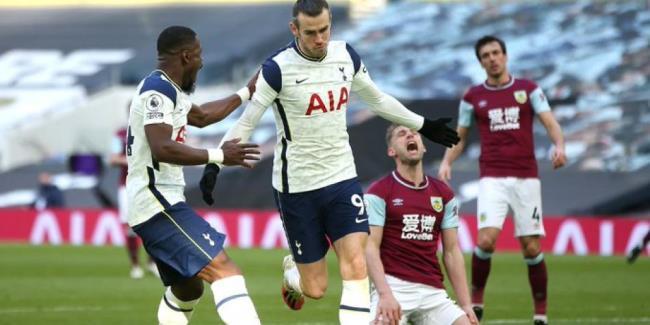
308 83
186 249
309 99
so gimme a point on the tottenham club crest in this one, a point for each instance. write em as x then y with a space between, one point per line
520 96
436 203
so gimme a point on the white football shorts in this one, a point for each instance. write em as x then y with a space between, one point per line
522 195
421 304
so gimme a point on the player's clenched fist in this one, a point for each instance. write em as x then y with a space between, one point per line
438 131
235 153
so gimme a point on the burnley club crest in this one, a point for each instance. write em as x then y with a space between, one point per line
436 203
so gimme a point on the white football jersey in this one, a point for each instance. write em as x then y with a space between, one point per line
310 99
153 186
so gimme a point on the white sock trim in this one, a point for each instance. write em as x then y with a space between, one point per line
356 295
176 304
233 302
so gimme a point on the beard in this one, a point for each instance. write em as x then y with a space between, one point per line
189 87
410 161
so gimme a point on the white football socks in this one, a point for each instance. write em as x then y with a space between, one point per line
234 305
355 302
173 311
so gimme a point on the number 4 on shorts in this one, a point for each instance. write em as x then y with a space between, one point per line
536 214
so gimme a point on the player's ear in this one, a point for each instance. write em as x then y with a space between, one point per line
185 56
293 26
391 152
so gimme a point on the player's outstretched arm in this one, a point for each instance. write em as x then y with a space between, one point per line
388 308
391 109
215 111
455 266
555 133
166 150
451 154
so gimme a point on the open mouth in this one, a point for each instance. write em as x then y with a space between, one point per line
411 146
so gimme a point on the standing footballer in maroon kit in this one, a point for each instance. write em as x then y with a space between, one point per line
503 108
409 212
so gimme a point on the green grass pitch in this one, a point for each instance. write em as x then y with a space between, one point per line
90 285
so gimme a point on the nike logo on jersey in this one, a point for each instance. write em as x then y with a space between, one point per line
301 80
357 220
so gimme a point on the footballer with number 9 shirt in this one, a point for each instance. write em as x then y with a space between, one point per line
314 176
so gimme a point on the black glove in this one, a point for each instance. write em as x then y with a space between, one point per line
438 131
208 181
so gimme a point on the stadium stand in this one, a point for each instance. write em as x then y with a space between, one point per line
590 57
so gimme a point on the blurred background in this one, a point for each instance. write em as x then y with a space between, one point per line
71 67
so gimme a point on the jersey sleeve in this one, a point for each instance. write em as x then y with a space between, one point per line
383 104
538 101
465 113
269 85
158 108
451 218
376 208
375 205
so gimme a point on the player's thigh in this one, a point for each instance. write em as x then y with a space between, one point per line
344 211
303 225
446 313
492 202
180 242
527 207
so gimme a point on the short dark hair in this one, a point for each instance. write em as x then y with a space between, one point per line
389 133
311 8
173 38
488 39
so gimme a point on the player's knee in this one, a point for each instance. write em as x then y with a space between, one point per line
486 244
220 267
190 289
531 250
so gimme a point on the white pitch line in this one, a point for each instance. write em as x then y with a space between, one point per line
616 320
59 309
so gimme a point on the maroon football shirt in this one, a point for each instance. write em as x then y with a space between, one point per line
504 117
414 214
